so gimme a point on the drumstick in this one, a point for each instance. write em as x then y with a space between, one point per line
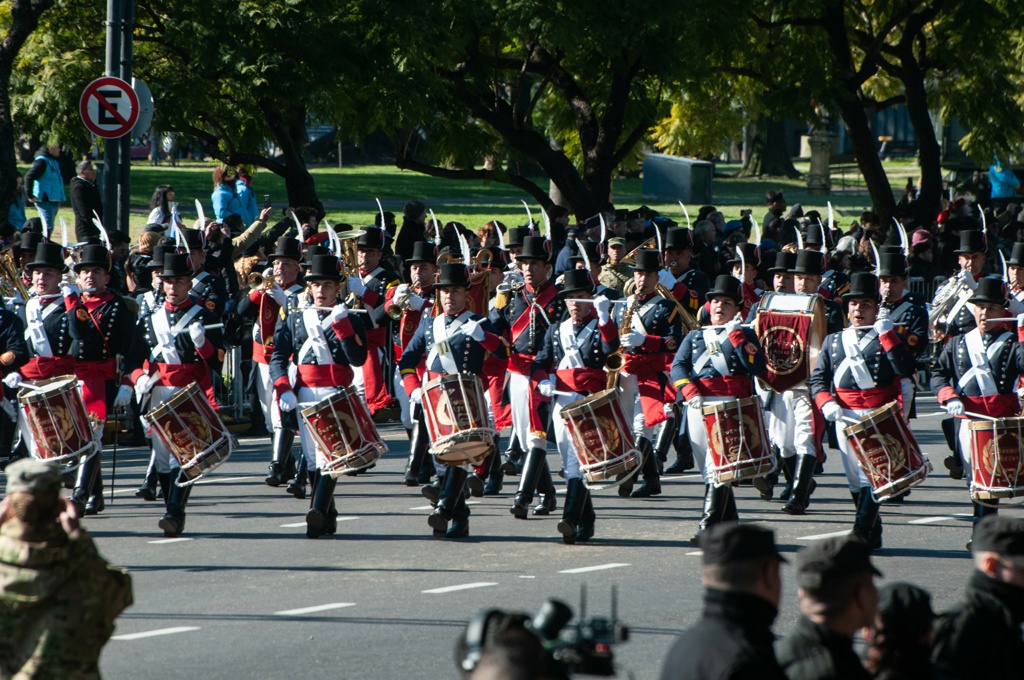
1011 319
590 301
980 416
742 325
331 309
211 327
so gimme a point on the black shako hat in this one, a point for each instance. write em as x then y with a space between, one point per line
893 264
863 285
751 254
808 262
784 263
323 268
731 542
453 275
287 248
991 290
647 261
1016 255
515 237
159 253
972 241
176 264
93 256
726 285
48 255
678 239
576 281
193 238
535 248
29 241
423 251
372 237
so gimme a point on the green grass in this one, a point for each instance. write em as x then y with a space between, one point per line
348 193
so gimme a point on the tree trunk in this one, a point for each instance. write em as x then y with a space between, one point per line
768 154
929 201
863 140
24 19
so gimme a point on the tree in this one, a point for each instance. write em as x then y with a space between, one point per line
18 19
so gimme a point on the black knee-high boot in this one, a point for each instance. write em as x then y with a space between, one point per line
867 525
85 481
716 505
651 485
684 451
789 473
514 456
297 487
766 485
803 485
585 530
666 436
147 491
283 439
546 488
572 510
173 521
460 517
532 468
418 445
495 476
323 496
453 488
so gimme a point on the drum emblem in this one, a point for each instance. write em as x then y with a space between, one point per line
604 436
738 436
784 349
883 453
1002 457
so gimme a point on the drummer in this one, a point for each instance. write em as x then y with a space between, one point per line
571 366
324 342
169 352
716 364
859 370
455 341
978 370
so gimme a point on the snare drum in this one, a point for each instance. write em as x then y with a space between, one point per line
791 329
192 431
457 421
887 452
62 430
738 440
344 432
602 437
997 464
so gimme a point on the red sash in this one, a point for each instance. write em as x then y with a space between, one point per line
40 368
996 406
94 376
864 399
590 380
330 375
374 384
181 375
542 300
738 386
652 384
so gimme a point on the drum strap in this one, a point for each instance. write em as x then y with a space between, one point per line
571 343
712 352
854 360
316 339
165 335
441 351
35 313
981 361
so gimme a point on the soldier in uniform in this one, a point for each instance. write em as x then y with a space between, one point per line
573 358
417 302
324 346
590 260
716 364
170 351
13 356
688 285
104 330
615 273
978 370
269 305
370 284
746 271
859 370
526 317
58 597
210 289
454 341
650 331
971 257
1015 272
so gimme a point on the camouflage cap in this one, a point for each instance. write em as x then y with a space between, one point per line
32 475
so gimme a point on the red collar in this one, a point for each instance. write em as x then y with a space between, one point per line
179 307
538 291
93 302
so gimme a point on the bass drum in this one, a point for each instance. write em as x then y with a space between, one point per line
791 329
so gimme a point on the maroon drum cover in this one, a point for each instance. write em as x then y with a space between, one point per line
602 438
887 451
344 431
790 329
456 412
997 464
62 430
192 431
737 439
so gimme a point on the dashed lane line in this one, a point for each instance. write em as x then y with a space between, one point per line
155 633
597 567
464 586
317 608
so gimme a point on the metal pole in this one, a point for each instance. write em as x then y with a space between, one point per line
127 62
112 148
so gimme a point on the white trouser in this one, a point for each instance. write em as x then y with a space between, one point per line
631 406
570 462
307 396
699 437
403 398
963 433
790 427
26 431
268 400
165 461
519 394
855 476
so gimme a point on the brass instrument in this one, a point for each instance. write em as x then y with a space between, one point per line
10 280
256 280
399 303
350 267
649 244
945 297
616 360
689 323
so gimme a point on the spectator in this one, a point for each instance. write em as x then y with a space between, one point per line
163 206
16 213
776 207
413 229
246 196
226 200
981 636
743 587
85 200
900 639
838 597
45 183
1005 185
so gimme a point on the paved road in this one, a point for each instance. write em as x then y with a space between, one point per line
246 595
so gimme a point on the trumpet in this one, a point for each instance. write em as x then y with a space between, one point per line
10 280
256 280
399 304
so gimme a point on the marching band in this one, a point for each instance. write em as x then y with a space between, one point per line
614 360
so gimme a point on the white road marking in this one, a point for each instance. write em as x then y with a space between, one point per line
695 552
170 540
598 567
317 608
293 525
452 589
155 633
527 577
423 507
472 502
942 518
815 537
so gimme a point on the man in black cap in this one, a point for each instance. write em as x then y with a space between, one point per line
573 359
614 272
454 341
981 636
104 327
169 352
714 365
743 589
745 269
209 289
324 347
858 371
900 638
590 259
688 285
525 315
1015 272
978 371
956 318
838 597
268 305
650 331
370 284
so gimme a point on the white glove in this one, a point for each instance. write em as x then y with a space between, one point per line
969 280
733 324
416 302
954 407
603 307
695 402
143 385
633 339
124 397
198 334
883 326
1020 321
417 396
287 401
832 411
546 388
666 279
474 330
278 295
268 273
339 312
12 380
69 289
356 285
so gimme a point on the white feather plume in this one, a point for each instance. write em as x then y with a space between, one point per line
604 228
874 251
755 231
529 215
547 224
104 236
63 232
383 222
984 226
1002 258
904 241
743 264
685 214
799 238
831 221
437 228
501 236
332 238
202 215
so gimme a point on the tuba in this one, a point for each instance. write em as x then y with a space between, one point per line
945 297
11 284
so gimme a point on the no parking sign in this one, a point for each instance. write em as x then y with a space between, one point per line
109 107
